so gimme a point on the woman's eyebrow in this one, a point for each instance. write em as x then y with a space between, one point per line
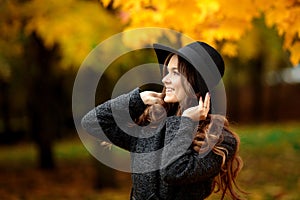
172 68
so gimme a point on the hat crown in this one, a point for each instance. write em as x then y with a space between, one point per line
213 53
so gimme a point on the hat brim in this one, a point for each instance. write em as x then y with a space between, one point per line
162 52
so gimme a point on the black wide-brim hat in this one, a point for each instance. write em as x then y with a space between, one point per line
204 58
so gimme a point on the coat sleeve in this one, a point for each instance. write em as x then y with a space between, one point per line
113 118
183 165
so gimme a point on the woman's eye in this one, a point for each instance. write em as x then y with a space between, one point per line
175 73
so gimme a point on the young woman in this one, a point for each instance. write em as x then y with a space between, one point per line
179 148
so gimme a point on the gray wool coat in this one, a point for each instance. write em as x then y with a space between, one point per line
164 165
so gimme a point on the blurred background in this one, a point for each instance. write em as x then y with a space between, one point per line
43 43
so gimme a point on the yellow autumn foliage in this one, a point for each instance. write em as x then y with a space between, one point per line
9 28
216 20
76 25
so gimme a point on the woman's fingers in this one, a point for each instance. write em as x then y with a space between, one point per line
204 106
150 98
157 94
206 103
157 98
157 101
200 102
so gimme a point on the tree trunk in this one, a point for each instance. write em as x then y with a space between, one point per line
233 92
43 100
5 108
256 73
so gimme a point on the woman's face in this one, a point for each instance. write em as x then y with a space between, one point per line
173 82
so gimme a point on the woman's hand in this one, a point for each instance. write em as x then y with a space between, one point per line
150 98
199 112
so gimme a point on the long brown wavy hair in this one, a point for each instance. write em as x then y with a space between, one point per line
204 140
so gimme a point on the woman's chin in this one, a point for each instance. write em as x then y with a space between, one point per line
170 99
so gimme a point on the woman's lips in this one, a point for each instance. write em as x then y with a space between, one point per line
168 89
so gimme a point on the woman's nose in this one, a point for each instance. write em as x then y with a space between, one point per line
166 79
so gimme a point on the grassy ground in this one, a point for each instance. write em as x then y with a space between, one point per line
271 157
270 154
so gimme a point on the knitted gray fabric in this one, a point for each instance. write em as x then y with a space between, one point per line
175 172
